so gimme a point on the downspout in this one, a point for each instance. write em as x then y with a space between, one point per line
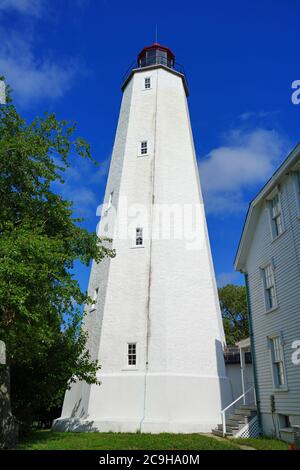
253 351
242 364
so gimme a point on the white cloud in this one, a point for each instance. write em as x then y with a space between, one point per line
33 73
255 115
81 181
28 7
246 160
33 79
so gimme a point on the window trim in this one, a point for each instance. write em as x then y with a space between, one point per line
136 236
95 299
276 386
108 205
296 183
110 199
273 225
128 366
150 82
140 149
263 269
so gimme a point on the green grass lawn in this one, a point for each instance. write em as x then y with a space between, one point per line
48 440
264 443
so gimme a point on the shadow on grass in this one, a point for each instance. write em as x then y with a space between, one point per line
39 437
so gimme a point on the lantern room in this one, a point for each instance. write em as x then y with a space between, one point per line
156 54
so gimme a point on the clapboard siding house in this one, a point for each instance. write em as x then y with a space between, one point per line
269 256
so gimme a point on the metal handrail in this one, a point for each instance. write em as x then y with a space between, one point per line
223 412
237 399
157 61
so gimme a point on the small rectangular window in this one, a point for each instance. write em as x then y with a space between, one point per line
110 200
144 147
95 298
276 216
284 421
269 287
131 354
139 236
147 83
277 361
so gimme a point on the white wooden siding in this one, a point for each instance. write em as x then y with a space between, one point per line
285 254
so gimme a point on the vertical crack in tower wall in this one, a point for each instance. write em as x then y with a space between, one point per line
152 201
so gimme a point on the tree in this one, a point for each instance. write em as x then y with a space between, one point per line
40 301
233 305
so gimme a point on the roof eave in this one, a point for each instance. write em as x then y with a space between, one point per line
289 162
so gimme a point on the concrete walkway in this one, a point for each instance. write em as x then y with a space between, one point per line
225 439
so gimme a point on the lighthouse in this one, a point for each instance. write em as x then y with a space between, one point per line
155 323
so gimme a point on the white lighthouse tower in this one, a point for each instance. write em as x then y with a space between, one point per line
155 324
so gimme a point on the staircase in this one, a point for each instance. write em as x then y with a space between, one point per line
237 421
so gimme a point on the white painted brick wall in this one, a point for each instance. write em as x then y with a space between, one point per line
163 290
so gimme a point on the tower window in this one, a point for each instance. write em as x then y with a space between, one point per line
139 236
147 83
144 147
131 354
95 298
110 199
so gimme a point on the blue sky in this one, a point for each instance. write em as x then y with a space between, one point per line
240 59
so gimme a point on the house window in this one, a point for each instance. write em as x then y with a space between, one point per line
298 182
95 297
269 287
144 147
276 216
297 179
147 83
284 421
131 354
139 236
277 362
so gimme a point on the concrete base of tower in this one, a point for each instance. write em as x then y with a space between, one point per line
184 403
151 427
95 425
177 427
154 403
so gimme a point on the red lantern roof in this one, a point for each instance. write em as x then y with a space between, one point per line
154 56
156 46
